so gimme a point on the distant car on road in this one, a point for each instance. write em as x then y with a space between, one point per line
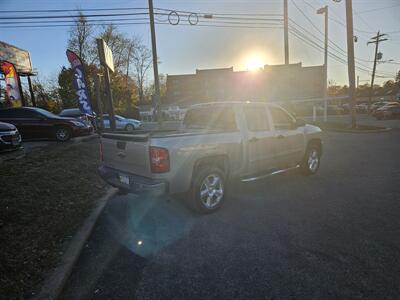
379 113
10 139
122 123
35 123
388 112
362 107
77 114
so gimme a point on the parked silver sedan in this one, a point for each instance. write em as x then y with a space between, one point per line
122 123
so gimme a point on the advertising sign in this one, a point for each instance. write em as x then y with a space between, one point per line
105 54
12 84
18 57
79 83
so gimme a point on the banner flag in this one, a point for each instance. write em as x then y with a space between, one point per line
80 83
12 84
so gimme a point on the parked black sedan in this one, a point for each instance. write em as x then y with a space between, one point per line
35 123
10 139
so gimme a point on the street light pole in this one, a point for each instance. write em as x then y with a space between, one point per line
324 10
286 30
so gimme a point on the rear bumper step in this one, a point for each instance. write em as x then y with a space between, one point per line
133 183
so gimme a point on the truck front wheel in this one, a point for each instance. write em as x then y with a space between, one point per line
208 189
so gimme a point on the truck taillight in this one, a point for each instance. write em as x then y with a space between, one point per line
101 152
159 160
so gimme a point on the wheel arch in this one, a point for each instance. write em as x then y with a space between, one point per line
317 142
218 160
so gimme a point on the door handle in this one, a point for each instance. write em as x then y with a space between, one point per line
253 139
280 136
121 154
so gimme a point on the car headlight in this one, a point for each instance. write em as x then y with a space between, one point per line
77 123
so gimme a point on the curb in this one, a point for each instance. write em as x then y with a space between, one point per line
359 131
55 281
85 138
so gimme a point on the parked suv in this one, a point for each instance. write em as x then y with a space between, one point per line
34 123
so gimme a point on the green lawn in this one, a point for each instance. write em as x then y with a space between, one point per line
44 198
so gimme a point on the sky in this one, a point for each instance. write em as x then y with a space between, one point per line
183 49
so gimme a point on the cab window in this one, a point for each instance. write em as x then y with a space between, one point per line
281 119
256 118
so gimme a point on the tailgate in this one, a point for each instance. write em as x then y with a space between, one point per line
128 153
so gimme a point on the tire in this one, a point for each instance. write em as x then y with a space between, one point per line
129 127
62 134
207 200
311 160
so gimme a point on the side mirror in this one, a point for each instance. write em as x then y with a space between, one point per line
299 123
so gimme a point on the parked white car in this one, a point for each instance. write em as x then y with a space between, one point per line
122 123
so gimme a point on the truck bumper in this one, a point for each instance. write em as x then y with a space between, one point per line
133 183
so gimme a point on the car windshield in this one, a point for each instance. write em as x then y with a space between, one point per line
71 112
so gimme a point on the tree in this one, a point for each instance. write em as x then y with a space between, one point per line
163 88
80 38
398 77
66 90
142 61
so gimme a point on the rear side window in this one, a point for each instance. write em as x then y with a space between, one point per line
210 118
256 118
17 113
281 119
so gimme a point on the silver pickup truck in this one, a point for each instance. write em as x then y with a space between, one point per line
216 142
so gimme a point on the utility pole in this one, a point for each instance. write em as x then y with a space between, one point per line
127 80
374 40
97 84
156 102
350 61
31 91
286 30
324 10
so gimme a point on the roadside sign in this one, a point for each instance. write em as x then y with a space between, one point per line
13 84
18 57
106 60
80 83
105 55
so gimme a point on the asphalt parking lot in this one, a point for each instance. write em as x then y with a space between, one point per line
328 236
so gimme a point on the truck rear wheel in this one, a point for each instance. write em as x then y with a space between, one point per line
208 189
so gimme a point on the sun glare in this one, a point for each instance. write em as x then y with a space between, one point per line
254 63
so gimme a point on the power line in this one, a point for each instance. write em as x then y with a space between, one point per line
318 47
71 16
379 8
71 10
338 21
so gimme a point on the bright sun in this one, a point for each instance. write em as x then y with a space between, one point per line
254 63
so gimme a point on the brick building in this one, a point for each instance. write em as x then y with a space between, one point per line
277 82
